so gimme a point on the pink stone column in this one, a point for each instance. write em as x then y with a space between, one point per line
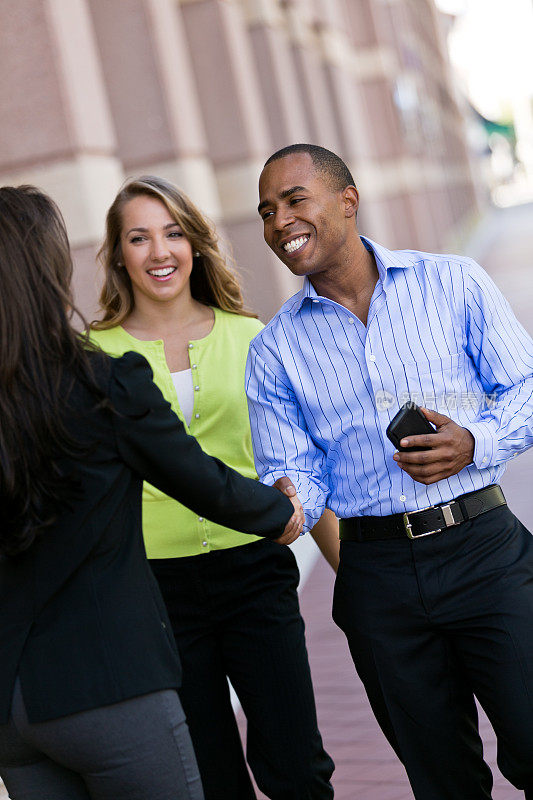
358 123
57 131
281 92
360 65
237 130
154 102
314 88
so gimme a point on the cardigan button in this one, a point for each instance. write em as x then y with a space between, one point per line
197 416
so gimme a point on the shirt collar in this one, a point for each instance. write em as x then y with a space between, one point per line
385 259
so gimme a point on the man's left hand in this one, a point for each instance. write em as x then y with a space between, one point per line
450 449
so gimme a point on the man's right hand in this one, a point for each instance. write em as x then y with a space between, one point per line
294 526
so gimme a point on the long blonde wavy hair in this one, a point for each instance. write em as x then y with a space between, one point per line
212 281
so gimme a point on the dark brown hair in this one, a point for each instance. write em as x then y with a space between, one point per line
40 356
212 281
331 167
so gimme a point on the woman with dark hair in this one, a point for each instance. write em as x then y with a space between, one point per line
88 666
169 294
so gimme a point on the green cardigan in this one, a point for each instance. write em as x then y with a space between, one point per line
219 423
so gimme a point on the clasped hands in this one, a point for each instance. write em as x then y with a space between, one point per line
450 449
294 526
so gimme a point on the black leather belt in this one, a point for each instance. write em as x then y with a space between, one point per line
424 522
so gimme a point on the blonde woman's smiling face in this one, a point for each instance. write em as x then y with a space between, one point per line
156 254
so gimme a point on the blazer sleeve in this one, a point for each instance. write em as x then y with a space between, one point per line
153 442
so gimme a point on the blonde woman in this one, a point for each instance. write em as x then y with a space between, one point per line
169 295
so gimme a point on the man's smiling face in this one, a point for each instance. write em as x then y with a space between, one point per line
306 221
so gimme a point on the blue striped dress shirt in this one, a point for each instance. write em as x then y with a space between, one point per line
322 387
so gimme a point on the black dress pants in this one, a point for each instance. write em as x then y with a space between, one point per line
235 613
430 624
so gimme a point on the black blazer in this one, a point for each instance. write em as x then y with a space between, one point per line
81 618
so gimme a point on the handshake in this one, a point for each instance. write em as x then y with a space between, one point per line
294 526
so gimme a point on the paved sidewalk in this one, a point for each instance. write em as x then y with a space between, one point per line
366 767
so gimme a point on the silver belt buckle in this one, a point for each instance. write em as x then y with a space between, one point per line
448 519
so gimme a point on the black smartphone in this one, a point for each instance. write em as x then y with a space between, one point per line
409 421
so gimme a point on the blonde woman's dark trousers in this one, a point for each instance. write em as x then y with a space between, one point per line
235 613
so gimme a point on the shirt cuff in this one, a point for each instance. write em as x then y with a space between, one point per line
486 444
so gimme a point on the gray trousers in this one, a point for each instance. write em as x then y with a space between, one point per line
139 749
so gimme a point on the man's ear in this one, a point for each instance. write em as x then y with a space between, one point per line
351 201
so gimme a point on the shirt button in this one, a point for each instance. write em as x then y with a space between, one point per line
350 320
194 366
190 346
204 544
403 498
372 358
196 388
315 301
484 459
200 519
163 625
197 416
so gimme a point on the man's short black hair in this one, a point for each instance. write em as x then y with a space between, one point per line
333 168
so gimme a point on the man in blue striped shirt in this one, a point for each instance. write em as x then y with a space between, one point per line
435 585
